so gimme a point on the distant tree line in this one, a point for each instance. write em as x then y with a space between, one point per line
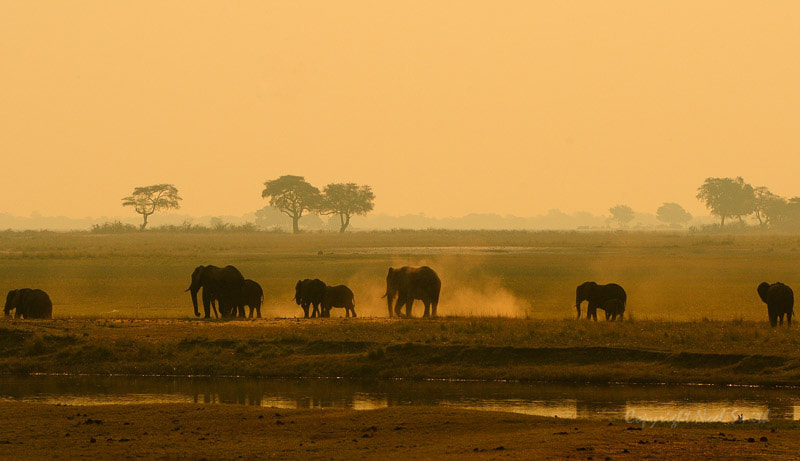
290 195
670 214
293 196
733 198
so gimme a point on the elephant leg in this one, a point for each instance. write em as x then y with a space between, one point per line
773 320
408 307
353 310
241 311
398 306
788 319
207 301
607 316
427 312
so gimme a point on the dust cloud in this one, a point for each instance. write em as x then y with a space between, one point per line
465 290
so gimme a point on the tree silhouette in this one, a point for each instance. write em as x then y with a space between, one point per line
346 200
149 199
727 197
293 196
623 214
767 206
673 214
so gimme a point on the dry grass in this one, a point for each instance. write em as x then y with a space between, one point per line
461 348
668 276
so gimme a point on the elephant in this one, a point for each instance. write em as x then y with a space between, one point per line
780 301
611 298
338 296
221 284
410 283
309 292
252 296
29 304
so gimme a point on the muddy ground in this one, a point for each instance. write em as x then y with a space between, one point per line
38 431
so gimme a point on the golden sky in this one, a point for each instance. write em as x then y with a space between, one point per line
444 107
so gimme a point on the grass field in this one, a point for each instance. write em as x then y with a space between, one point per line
668 276
506 313
731 352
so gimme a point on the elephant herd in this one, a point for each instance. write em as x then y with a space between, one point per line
227 289
322 298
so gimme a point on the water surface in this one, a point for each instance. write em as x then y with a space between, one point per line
631 402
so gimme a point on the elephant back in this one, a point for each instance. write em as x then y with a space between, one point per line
424 281
339 296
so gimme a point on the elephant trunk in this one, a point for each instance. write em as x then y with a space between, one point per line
389 298
194 300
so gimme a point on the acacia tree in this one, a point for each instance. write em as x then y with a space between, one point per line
727 197
346 200
673 214
767 206
293 196
623 214
149 199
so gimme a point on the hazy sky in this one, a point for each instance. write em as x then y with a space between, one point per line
444 107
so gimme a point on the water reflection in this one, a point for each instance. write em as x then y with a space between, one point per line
639 402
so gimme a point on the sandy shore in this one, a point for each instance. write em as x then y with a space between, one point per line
39 431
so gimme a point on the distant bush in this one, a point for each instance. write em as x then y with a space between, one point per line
115 227
217 225
734 227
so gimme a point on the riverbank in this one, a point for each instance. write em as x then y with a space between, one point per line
233 431
743 353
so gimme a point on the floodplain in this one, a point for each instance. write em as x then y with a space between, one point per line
506 315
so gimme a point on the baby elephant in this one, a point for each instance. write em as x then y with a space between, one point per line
252 296
29 304
338 296
780 301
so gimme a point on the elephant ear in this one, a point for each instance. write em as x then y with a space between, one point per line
18 301
10 301
10 297
763 289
